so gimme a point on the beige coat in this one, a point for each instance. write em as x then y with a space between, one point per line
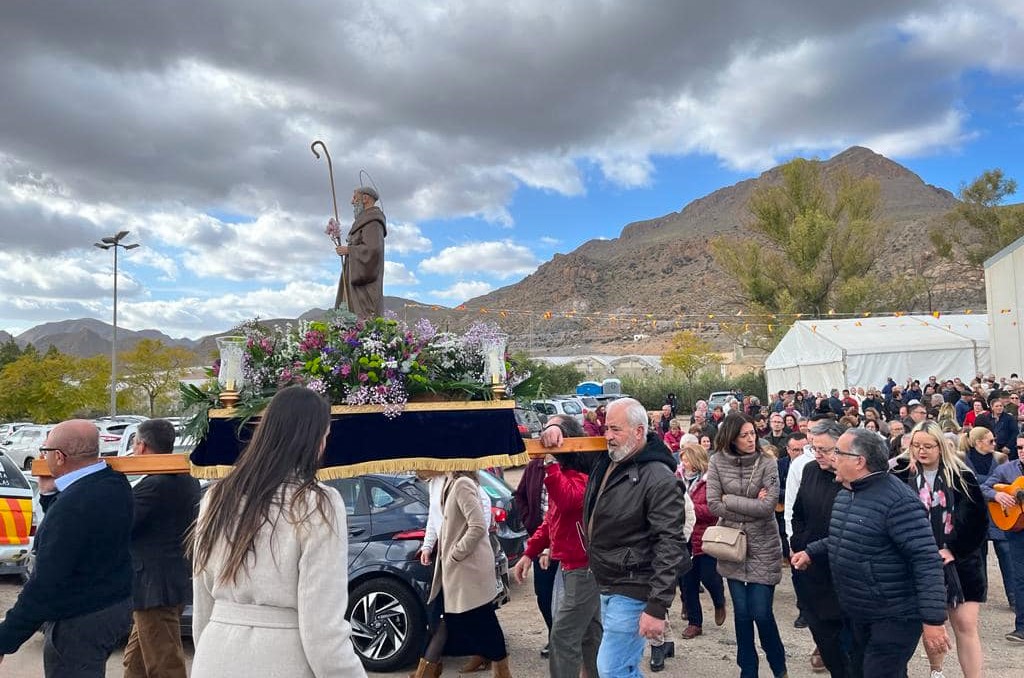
732 496
285 615
464 567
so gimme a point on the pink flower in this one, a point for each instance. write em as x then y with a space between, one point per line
346 370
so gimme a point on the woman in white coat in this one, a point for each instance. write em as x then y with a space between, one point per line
270 553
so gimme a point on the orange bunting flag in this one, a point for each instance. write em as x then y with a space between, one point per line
503 314
968 312
770 327
867 314
935 314
547 315
814 328
831 311
483 310
858 324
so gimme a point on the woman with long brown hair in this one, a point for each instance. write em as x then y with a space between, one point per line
270 549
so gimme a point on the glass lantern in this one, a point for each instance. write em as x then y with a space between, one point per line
494 355
232 352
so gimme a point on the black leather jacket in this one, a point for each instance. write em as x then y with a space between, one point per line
636 544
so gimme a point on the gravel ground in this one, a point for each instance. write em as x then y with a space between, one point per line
711 655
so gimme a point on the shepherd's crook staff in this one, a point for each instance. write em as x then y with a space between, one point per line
341 299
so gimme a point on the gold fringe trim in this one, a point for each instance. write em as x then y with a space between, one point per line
440 406
210 472
403 465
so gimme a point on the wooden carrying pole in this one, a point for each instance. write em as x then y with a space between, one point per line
147 464
595 444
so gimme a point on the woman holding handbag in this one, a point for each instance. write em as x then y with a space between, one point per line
742 490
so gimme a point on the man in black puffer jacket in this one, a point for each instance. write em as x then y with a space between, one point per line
884 562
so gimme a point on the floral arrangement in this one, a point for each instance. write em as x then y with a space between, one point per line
374 362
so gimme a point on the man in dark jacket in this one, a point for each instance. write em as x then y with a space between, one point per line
812 512
165 507
884 564
80 591
633 513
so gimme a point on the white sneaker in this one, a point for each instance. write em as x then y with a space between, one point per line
938 674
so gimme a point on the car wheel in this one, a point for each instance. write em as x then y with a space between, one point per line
388 624
28 464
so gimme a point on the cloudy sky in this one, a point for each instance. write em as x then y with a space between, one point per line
498 133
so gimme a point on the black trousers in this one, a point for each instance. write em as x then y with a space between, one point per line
543 585
827 634
79 647
882 649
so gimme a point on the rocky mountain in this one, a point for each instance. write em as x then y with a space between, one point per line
5 337
658 266
87 337
664 266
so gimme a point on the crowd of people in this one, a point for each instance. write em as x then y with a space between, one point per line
874 503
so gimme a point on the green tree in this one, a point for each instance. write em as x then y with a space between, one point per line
154 369
819 238
690 355
9 352
979 225
53 387
544 379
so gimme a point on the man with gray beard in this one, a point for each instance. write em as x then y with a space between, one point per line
633 515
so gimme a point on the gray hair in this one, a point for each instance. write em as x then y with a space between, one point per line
636 414
368 190
826 427
871 446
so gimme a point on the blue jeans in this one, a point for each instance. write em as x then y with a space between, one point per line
1015 540
752 605
703 571
622 646
1002 549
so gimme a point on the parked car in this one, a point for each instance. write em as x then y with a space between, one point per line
570 407
506 524
112 430
529 422
18 518
388 586
23 445
718 398
9 428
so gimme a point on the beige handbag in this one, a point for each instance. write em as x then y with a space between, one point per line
728 544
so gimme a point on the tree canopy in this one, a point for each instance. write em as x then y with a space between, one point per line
816 241
53 387
153 370
689 354
980 225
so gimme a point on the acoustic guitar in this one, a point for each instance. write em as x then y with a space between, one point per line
1011 519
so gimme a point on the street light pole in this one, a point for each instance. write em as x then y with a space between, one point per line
114 242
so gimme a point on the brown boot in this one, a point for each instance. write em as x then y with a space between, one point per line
427 669
475 663
501 668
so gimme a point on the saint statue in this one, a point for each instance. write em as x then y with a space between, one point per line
361 287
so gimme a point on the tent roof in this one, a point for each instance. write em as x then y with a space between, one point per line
811 342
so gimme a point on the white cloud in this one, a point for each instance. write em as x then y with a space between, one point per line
500 258
463 290
406 238
396 274
548 240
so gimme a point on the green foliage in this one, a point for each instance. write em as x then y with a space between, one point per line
53 387
651 391
545 379
979 226
819 241
9 352
690 354
153 370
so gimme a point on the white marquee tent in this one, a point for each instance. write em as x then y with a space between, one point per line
1004 290
822 354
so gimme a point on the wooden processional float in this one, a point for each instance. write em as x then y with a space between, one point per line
439 436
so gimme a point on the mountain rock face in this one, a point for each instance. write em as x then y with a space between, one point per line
663 266
659 266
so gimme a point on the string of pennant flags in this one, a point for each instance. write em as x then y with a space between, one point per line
744 319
